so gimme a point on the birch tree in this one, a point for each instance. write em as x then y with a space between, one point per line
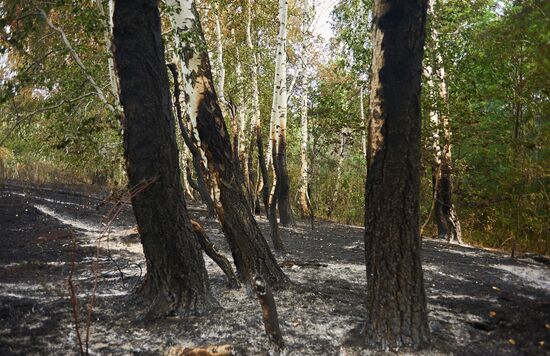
303 198
396 300
279 122
250 251
446 219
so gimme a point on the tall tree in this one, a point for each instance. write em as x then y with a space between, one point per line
446 219
279 120
396 300
303 199
250 251
176 279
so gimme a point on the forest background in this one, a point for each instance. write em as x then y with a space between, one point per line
485 99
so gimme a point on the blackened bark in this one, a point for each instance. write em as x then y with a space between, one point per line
448 225
269 312
176 280
283 185
250 250
396 301
270 211
263 170
215 255
201 185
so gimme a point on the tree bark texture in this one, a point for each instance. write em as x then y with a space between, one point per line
250 251
176 280
215 255
283 180
396 300
304 168
198 164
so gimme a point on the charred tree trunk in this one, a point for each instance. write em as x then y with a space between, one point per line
250 251
176 280
396 300
201 185
215 255
279 119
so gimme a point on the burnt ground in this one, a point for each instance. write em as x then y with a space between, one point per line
480 302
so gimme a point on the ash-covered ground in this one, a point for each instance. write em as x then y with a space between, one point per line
480 302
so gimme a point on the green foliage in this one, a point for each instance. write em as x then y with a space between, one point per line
496 57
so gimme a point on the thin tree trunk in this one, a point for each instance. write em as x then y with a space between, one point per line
338 173
363 123
242 135
448 226
107 37
220 68
396 300
283 180
198 164
250 251
304 176
184 168
176 279
255 120
304 173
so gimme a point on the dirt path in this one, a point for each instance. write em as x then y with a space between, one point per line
480 303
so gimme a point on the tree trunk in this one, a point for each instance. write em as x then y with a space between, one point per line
304 176
198 163
250 251
448 226
220 68
396 300
255 118
338 173
107 37
176 280
304 169
184 168
364 123
283 180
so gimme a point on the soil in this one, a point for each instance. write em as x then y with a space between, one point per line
480 302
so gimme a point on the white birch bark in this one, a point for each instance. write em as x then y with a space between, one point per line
107 37
304 167
183 18
255 114
220 69
442 152
278 107
282 65
255 107
363 123
241 109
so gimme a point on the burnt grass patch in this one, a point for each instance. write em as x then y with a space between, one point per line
476 308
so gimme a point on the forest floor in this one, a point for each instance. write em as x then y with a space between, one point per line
480 302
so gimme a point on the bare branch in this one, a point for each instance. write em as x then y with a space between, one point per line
77 59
